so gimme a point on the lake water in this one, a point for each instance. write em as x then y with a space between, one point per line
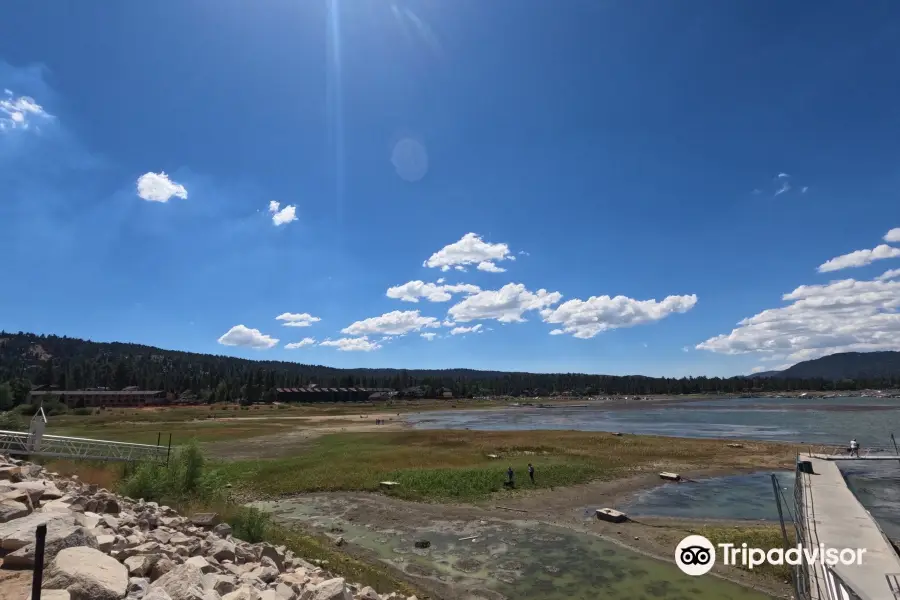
814 421
741 497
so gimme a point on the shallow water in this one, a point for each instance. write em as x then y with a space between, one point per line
734 497
515 559
815 421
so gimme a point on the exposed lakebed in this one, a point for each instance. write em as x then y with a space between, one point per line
492 559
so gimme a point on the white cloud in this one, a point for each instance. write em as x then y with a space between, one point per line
893 235
860 258
586 318
157 187
244 336
429 336
297 319
411 291
757 369
441 280
505 305
19 112
392 323
462 330
356 344
469 250
685 349
285 215
490 267
841 316
304 342
889 274
804 189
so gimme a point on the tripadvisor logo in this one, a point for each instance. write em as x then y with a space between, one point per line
696 555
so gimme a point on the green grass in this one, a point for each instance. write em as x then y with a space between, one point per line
454 465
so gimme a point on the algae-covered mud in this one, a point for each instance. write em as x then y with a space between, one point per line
493 559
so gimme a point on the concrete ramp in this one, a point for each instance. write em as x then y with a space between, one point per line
830 515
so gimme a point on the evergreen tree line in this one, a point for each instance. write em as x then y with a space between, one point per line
28 360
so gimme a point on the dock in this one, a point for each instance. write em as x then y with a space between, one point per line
830 514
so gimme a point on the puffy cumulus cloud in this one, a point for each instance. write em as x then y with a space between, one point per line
470 250
461 330
281 216
297 319
157 187
860 258
393 323
19 112
889 274
586 318
304 342
429 335
893 235
506 305
250 338
841 316
354 344
489 267
411 291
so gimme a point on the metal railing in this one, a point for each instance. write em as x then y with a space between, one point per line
57 446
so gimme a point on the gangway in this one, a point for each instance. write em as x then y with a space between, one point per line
35 443
58 446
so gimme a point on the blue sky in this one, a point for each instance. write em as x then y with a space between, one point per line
662 184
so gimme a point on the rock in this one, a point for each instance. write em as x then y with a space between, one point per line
141 565
201 564
339 541
161 567
20 532
12 509
39 490
206 520
246 553
221 584
181 583
222 530
57 539
88 519
265 573
222 550
422 544
55 594
105 543
87 574
286 592
61 505
156 594
137 587
10 473
331 589
275 554
368 593
245 592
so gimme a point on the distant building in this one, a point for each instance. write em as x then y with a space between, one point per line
96 398
323 394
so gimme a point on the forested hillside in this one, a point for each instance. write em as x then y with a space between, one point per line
849 365
27 360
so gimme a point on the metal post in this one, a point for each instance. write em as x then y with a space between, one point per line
895 445
169 450
777 491
158 437
38 577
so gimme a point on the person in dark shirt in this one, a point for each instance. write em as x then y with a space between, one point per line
510 476
531 472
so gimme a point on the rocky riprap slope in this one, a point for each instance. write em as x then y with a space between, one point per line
101 546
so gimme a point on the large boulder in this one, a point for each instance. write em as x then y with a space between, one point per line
58 538
331 589
245 592
222 550
21 532
184 582
55 595
12 509
221 584
39 490
87 574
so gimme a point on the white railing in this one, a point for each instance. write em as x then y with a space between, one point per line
57 446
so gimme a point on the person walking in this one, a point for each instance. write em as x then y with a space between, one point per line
854 448
531 472
511 477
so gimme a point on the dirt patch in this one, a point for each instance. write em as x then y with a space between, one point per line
288 442
15 584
